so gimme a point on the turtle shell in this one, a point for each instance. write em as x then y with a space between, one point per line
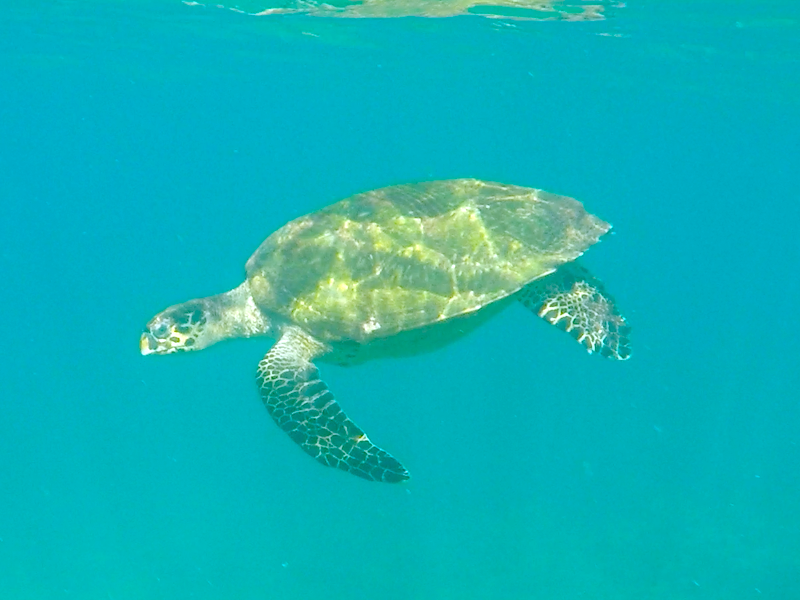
406 256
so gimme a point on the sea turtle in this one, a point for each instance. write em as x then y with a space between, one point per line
395 271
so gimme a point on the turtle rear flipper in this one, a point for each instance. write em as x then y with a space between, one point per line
575 301
303 406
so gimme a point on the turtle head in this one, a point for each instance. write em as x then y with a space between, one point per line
179 328
197 324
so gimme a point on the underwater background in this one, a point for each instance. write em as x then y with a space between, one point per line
147 148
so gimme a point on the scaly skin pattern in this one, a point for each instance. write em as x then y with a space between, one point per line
303 406
575 301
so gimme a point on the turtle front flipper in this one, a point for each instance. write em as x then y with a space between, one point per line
576 302
303 406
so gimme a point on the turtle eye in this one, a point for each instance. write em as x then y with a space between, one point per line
161 330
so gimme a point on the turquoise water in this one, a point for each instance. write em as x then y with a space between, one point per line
146 149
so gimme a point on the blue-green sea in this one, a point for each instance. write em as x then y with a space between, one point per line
147 147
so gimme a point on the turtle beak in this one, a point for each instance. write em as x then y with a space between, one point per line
147 344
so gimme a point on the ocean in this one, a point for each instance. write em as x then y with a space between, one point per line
147 147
